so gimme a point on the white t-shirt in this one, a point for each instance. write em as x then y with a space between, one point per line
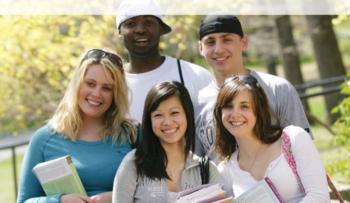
284 102
195 78
309 168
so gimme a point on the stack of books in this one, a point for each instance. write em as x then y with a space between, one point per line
213 193
204 194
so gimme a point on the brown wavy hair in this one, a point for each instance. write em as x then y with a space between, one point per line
225 142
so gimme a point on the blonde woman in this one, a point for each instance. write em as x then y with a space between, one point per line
89 124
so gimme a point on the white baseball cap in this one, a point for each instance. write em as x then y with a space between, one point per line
132 8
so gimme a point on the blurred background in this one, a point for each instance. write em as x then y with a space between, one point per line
38 54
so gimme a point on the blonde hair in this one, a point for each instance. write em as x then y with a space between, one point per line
67 118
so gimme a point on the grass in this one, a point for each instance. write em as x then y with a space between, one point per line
334 156
7 191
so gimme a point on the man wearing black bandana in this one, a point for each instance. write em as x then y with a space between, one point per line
222 43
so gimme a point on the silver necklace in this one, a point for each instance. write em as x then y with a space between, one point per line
254 160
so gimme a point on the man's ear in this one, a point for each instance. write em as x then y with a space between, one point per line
200 47
245 43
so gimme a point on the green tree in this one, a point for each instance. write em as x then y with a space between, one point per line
341 164
327 55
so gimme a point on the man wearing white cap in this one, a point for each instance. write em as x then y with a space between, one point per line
140 26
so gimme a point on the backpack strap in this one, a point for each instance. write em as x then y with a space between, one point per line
274 189
287 152
180 71
204 169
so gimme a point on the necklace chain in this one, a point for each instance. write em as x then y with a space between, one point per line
255 156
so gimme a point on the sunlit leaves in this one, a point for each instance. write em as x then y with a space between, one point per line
342 128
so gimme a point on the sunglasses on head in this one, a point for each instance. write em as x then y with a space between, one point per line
100 54
248 79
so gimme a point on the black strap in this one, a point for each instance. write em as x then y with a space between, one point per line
204 169
180 71
138 136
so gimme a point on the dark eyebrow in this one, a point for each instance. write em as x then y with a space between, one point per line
226 35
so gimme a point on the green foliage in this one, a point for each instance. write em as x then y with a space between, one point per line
337 164
341 164
182 41
342 124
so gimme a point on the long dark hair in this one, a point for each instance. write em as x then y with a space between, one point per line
267 133
150 157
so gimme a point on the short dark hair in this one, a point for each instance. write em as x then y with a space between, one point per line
150 157
226 143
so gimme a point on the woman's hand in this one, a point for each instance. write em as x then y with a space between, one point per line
75 198
105 197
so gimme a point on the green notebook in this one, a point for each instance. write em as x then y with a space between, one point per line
59 176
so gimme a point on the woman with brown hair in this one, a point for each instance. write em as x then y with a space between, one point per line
254 150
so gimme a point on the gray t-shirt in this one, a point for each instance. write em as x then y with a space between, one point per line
128 187
284 102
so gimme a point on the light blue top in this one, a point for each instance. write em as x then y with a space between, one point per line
96 163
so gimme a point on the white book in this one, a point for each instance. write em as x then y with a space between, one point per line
202 194
260 193
59 176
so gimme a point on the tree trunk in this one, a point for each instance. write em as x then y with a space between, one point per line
327 55
290 54
271 63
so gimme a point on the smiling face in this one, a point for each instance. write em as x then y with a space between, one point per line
169 122
238 115
141 34
223 52
96 92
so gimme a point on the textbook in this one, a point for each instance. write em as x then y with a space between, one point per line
208 193
260 193
59 176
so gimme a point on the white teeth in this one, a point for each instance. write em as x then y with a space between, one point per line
220 59
169 131
94 103
141 40
237 123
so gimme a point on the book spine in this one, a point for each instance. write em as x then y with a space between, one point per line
77 179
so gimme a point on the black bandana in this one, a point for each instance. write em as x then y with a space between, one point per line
220 23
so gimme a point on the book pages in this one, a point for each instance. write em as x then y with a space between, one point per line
59 176
203 194
260 193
